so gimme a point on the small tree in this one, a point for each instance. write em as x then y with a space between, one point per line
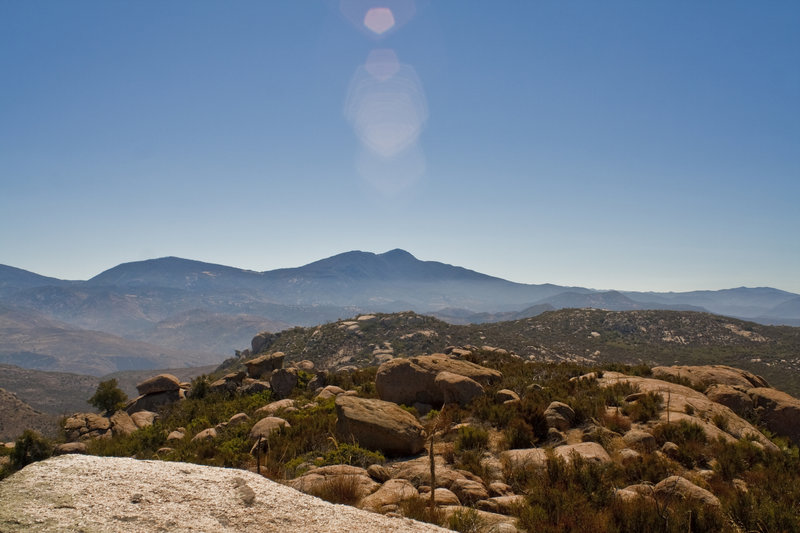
108 396
29 448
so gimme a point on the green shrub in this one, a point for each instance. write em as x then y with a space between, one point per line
645 408
108 396
29 448
471 438
518 434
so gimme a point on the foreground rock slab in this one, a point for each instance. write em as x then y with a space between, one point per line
87 493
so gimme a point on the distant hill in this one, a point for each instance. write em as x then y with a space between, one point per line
579 335
188 312
32 341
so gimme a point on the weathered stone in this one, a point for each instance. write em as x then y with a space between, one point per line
305 365
507 505
640 440
457 389
559 416
732 397
705 375
238 419
378 425
628 456
266 426
498 488
254 386
261 342
70 447
264 364
95 422
122 423
469 491
151 402
391 493
588 451
505 395
681 488
287 405
444 496
206 434
412 380
379 473
143 419
283 381
176 435
779 411
159 383
331 391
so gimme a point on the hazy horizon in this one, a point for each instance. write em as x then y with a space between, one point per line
622 145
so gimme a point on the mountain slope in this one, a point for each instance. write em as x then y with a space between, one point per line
32 341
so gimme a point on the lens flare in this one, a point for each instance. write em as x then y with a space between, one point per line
379 20
386 105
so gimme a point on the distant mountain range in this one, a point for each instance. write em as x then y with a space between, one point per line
171 312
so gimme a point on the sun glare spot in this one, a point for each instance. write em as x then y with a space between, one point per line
379 20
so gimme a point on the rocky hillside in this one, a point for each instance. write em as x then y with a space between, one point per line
493 443
16 416
73 492
578 335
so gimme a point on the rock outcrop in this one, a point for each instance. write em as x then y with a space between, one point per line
702 376
413 380
779 411
378 425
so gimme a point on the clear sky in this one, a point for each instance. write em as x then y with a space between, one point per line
628 145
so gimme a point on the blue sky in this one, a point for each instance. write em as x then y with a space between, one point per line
629 145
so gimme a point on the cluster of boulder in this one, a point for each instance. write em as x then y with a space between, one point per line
266 372
138 413
156 391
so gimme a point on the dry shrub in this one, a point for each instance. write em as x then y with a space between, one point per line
339 489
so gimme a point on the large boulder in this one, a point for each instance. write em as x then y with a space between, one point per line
266 426
122 423
264 364
456 388
732 397
144 419
559 416
677 487
283 381
412 380
261 342
314 481
159 383
151 402
779 411
378 425
389 496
